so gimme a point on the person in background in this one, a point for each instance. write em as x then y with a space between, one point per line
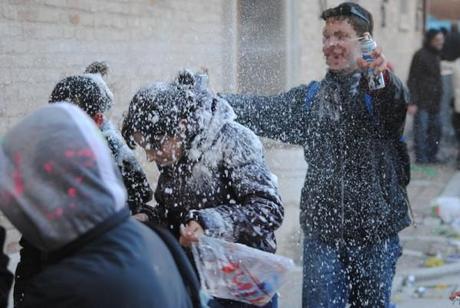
456 106
60 187
425 86
451 48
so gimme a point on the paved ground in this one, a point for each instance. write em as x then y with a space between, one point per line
434 293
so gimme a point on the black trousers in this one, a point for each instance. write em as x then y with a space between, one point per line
456 125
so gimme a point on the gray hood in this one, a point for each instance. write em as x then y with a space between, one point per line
57 177
211 122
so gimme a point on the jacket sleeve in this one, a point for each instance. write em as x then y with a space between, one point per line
6 277
134 178
279 117
137 187
158 214
391 105
257 210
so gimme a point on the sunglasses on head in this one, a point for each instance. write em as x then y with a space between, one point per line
344 10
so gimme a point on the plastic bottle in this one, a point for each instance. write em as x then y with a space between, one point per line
376 81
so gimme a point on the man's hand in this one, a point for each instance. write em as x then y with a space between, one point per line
190 233
455 296
412 109
141 217
379 64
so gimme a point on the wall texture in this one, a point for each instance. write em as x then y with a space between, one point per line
43 41
142 40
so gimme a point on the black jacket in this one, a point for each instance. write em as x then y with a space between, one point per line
134 178
355 183
425 83
224 183
451 49
120 263
6 278
138 192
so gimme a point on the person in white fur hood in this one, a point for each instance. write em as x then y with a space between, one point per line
213 176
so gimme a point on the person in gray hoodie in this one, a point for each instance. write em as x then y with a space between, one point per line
60 187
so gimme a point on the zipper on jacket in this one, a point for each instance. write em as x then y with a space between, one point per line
342 171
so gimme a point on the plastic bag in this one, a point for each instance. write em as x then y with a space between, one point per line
447 208
238 272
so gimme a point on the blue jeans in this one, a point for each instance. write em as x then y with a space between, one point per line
427 135
361 275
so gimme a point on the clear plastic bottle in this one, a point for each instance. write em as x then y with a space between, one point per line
376 81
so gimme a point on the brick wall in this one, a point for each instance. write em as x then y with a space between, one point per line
43 41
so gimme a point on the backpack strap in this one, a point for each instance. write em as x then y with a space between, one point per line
184 266
312 89
369 104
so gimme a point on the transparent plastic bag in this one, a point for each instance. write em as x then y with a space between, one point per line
238 272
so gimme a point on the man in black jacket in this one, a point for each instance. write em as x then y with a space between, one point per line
353 201
60 187
425 85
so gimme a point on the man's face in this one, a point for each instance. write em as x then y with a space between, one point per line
168 151
341 46
438 41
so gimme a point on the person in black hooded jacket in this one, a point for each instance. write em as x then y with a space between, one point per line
354 199
425 85
213 177
60 187
90 93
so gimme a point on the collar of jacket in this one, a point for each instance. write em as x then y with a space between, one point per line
221 113
432 50
343 78
100 229
348 84
195 139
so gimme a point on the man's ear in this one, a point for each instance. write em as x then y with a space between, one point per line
99 119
